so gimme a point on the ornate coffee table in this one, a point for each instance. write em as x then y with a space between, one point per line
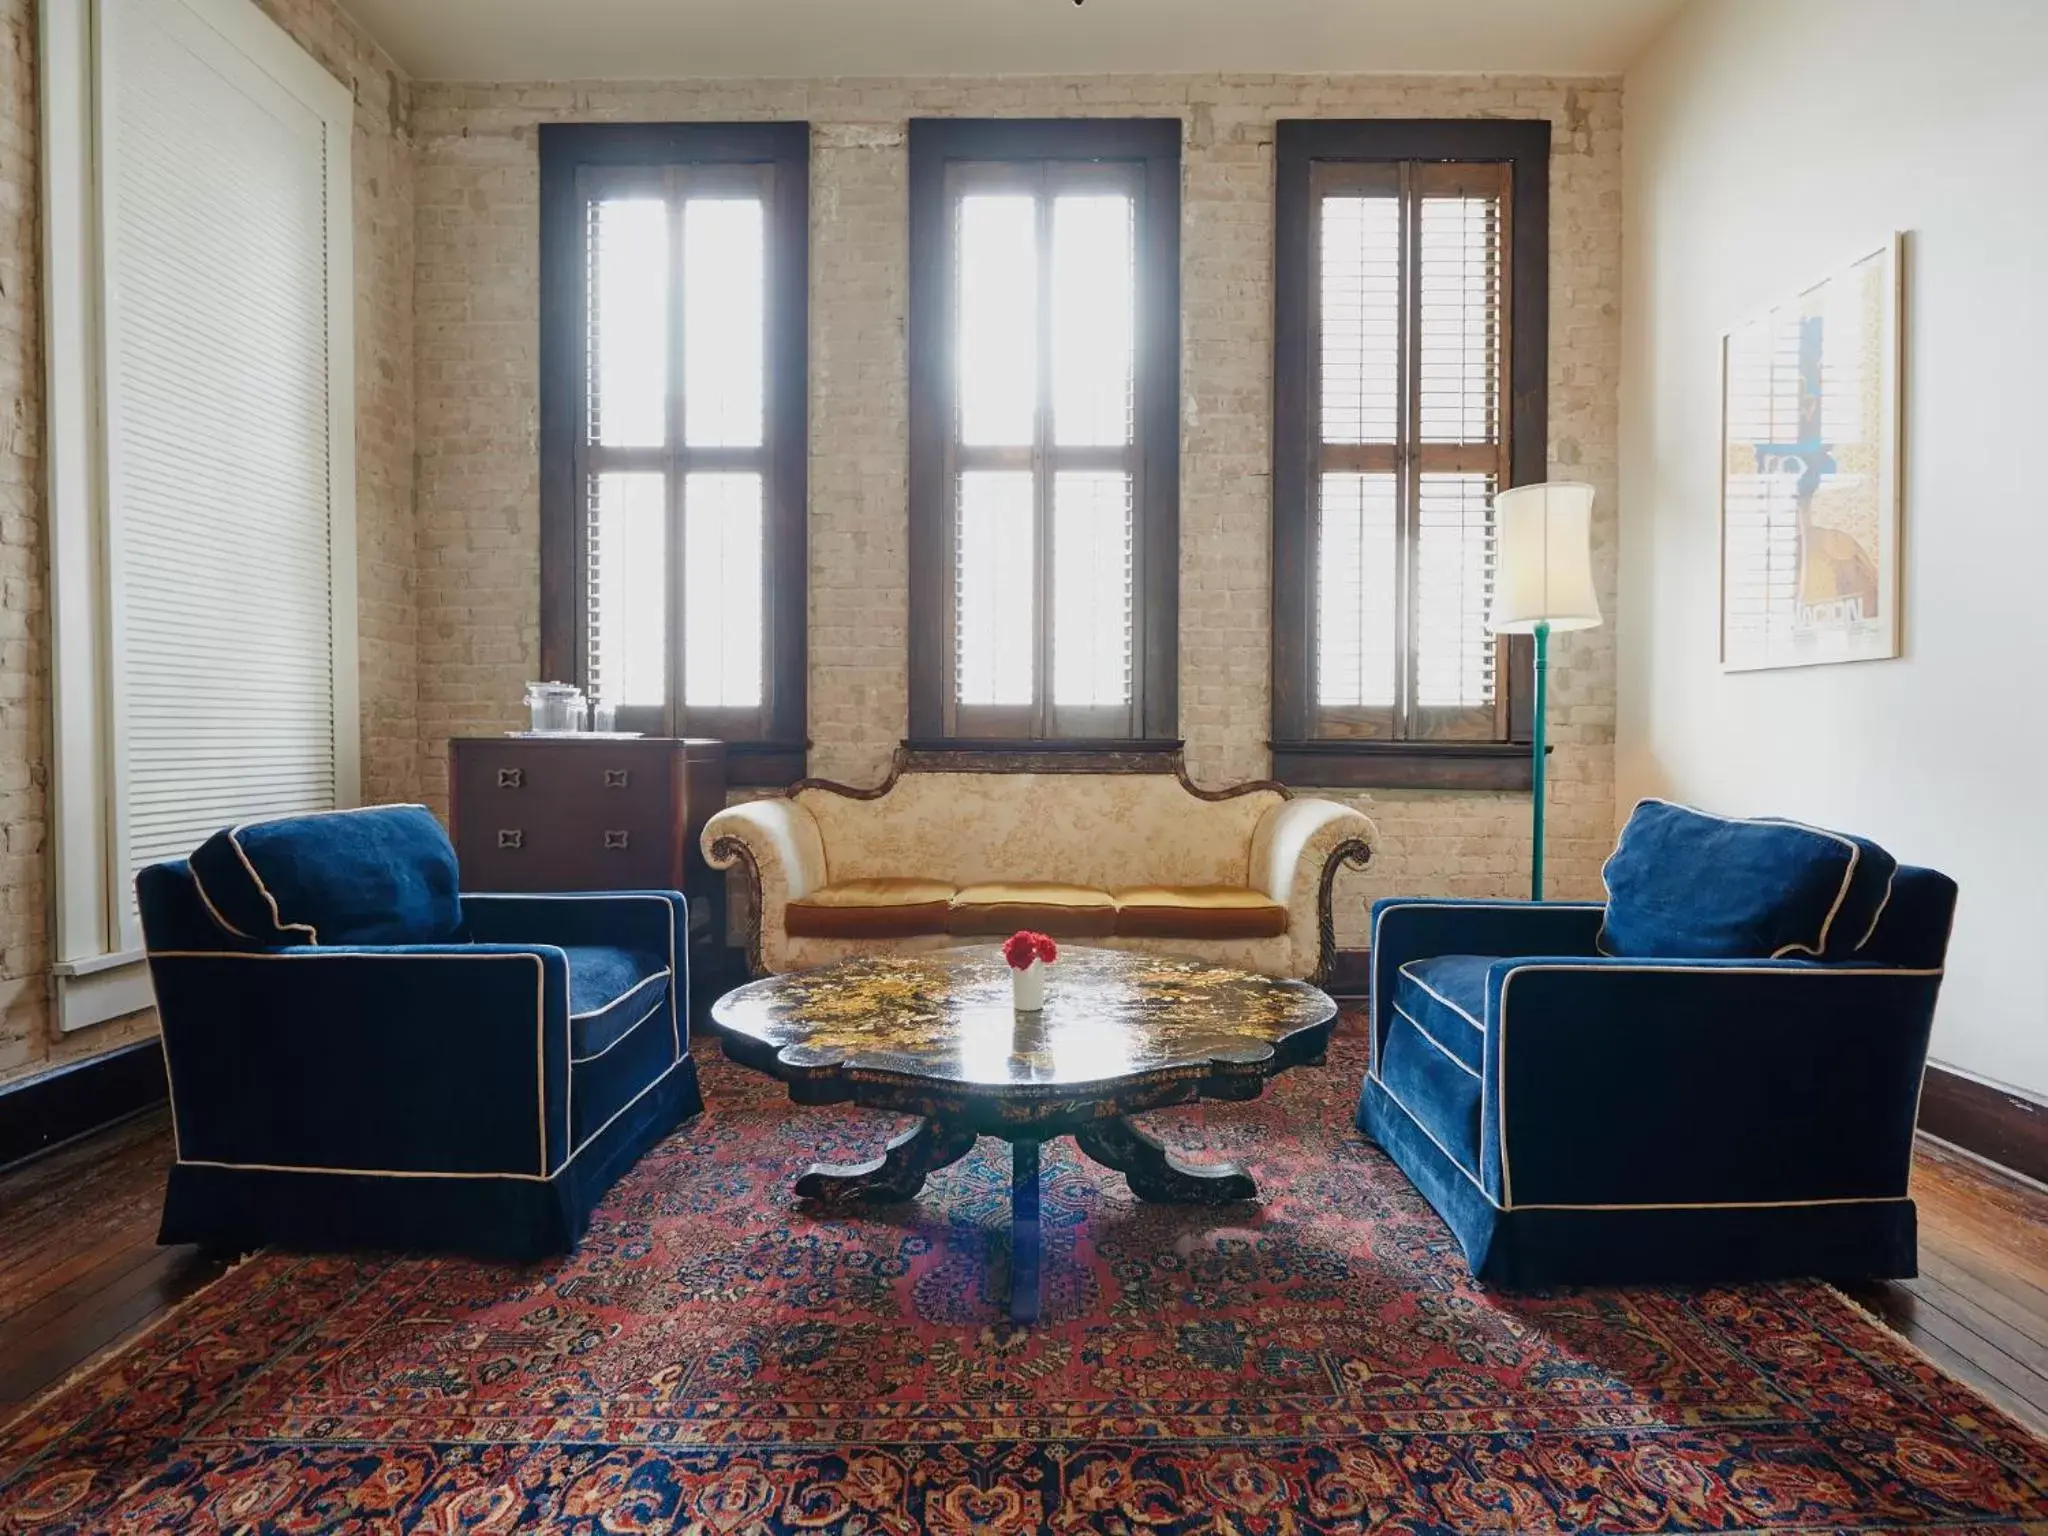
934 1035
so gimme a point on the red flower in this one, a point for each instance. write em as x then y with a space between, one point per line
1024 946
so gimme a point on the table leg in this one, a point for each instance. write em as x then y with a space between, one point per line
1155 1173
1024 1232
898 1174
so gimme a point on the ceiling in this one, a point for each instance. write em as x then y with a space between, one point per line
673 39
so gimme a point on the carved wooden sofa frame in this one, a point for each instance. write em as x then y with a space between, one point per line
1294 847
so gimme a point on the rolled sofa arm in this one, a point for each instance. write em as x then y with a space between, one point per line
778 843
1297 849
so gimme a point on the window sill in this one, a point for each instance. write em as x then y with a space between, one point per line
764 764
1494 765
989 755
104 987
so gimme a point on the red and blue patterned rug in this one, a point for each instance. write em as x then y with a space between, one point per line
718 1358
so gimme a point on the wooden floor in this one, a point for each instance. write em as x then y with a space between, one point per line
1980 1306
80 1269
79 1266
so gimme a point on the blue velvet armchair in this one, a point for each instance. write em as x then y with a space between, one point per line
1581 1116
361 1056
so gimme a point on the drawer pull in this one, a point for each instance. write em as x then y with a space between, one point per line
617 778
511 837
616 839
511 778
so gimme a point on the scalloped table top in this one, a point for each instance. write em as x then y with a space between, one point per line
945 1017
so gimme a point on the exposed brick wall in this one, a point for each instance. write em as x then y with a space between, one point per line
384 224
446 234
24 630
477 284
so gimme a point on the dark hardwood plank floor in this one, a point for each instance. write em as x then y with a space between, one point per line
80 1269
1979 1308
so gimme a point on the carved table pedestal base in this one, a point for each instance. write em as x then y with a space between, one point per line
938 1036
1152 1171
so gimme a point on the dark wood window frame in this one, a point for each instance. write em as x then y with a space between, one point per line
773 753
1299 755
1152 145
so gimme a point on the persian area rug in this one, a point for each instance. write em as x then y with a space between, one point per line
720 1358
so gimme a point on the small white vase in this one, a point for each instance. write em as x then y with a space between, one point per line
1027 987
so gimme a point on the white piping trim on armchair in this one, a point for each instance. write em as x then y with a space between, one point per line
436 1173
1416 1121
1456 1060
577 1061
675 1023
1432 991
540 1015
1819 945
638 986
1877 917
1497 1084
1715 1205
234 837
1438 904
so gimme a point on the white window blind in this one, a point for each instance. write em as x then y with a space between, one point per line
228 446
1411 348
675 448
1043 448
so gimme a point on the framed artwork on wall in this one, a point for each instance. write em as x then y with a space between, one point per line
1810 498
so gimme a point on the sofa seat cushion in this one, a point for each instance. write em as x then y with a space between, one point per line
611 990
870 909
1198 912
1003 907
1686 884
382 875
1444 1001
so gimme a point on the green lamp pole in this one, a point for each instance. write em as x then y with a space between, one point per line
1543 581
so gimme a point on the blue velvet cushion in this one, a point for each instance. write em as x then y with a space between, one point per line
1434 1051
382 875
1445 998
1871 885
1684 884
610 991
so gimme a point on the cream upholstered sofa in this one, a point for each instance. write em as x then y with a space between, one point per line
1128 860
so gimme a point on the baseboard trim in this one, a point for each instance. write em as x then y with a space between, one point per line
1992 1124
73 1100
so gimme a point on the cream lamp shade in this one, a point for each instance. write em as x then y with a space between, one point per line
1543 566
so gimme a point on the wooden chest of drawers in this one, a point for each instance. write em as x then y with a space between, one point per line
566 813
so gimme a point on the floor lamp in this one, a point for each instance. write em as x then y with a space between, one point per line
1543 582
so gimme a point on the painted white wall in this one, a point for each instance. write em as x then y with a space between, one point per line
1767 142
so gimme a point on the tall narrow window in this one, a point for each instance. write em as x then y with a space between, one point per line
673 294
1044 441
1408 390
199 343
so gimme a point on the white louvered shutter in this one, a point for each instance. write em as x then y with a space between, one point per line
1458 358
230 549
675 448
1411 307
1043 452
